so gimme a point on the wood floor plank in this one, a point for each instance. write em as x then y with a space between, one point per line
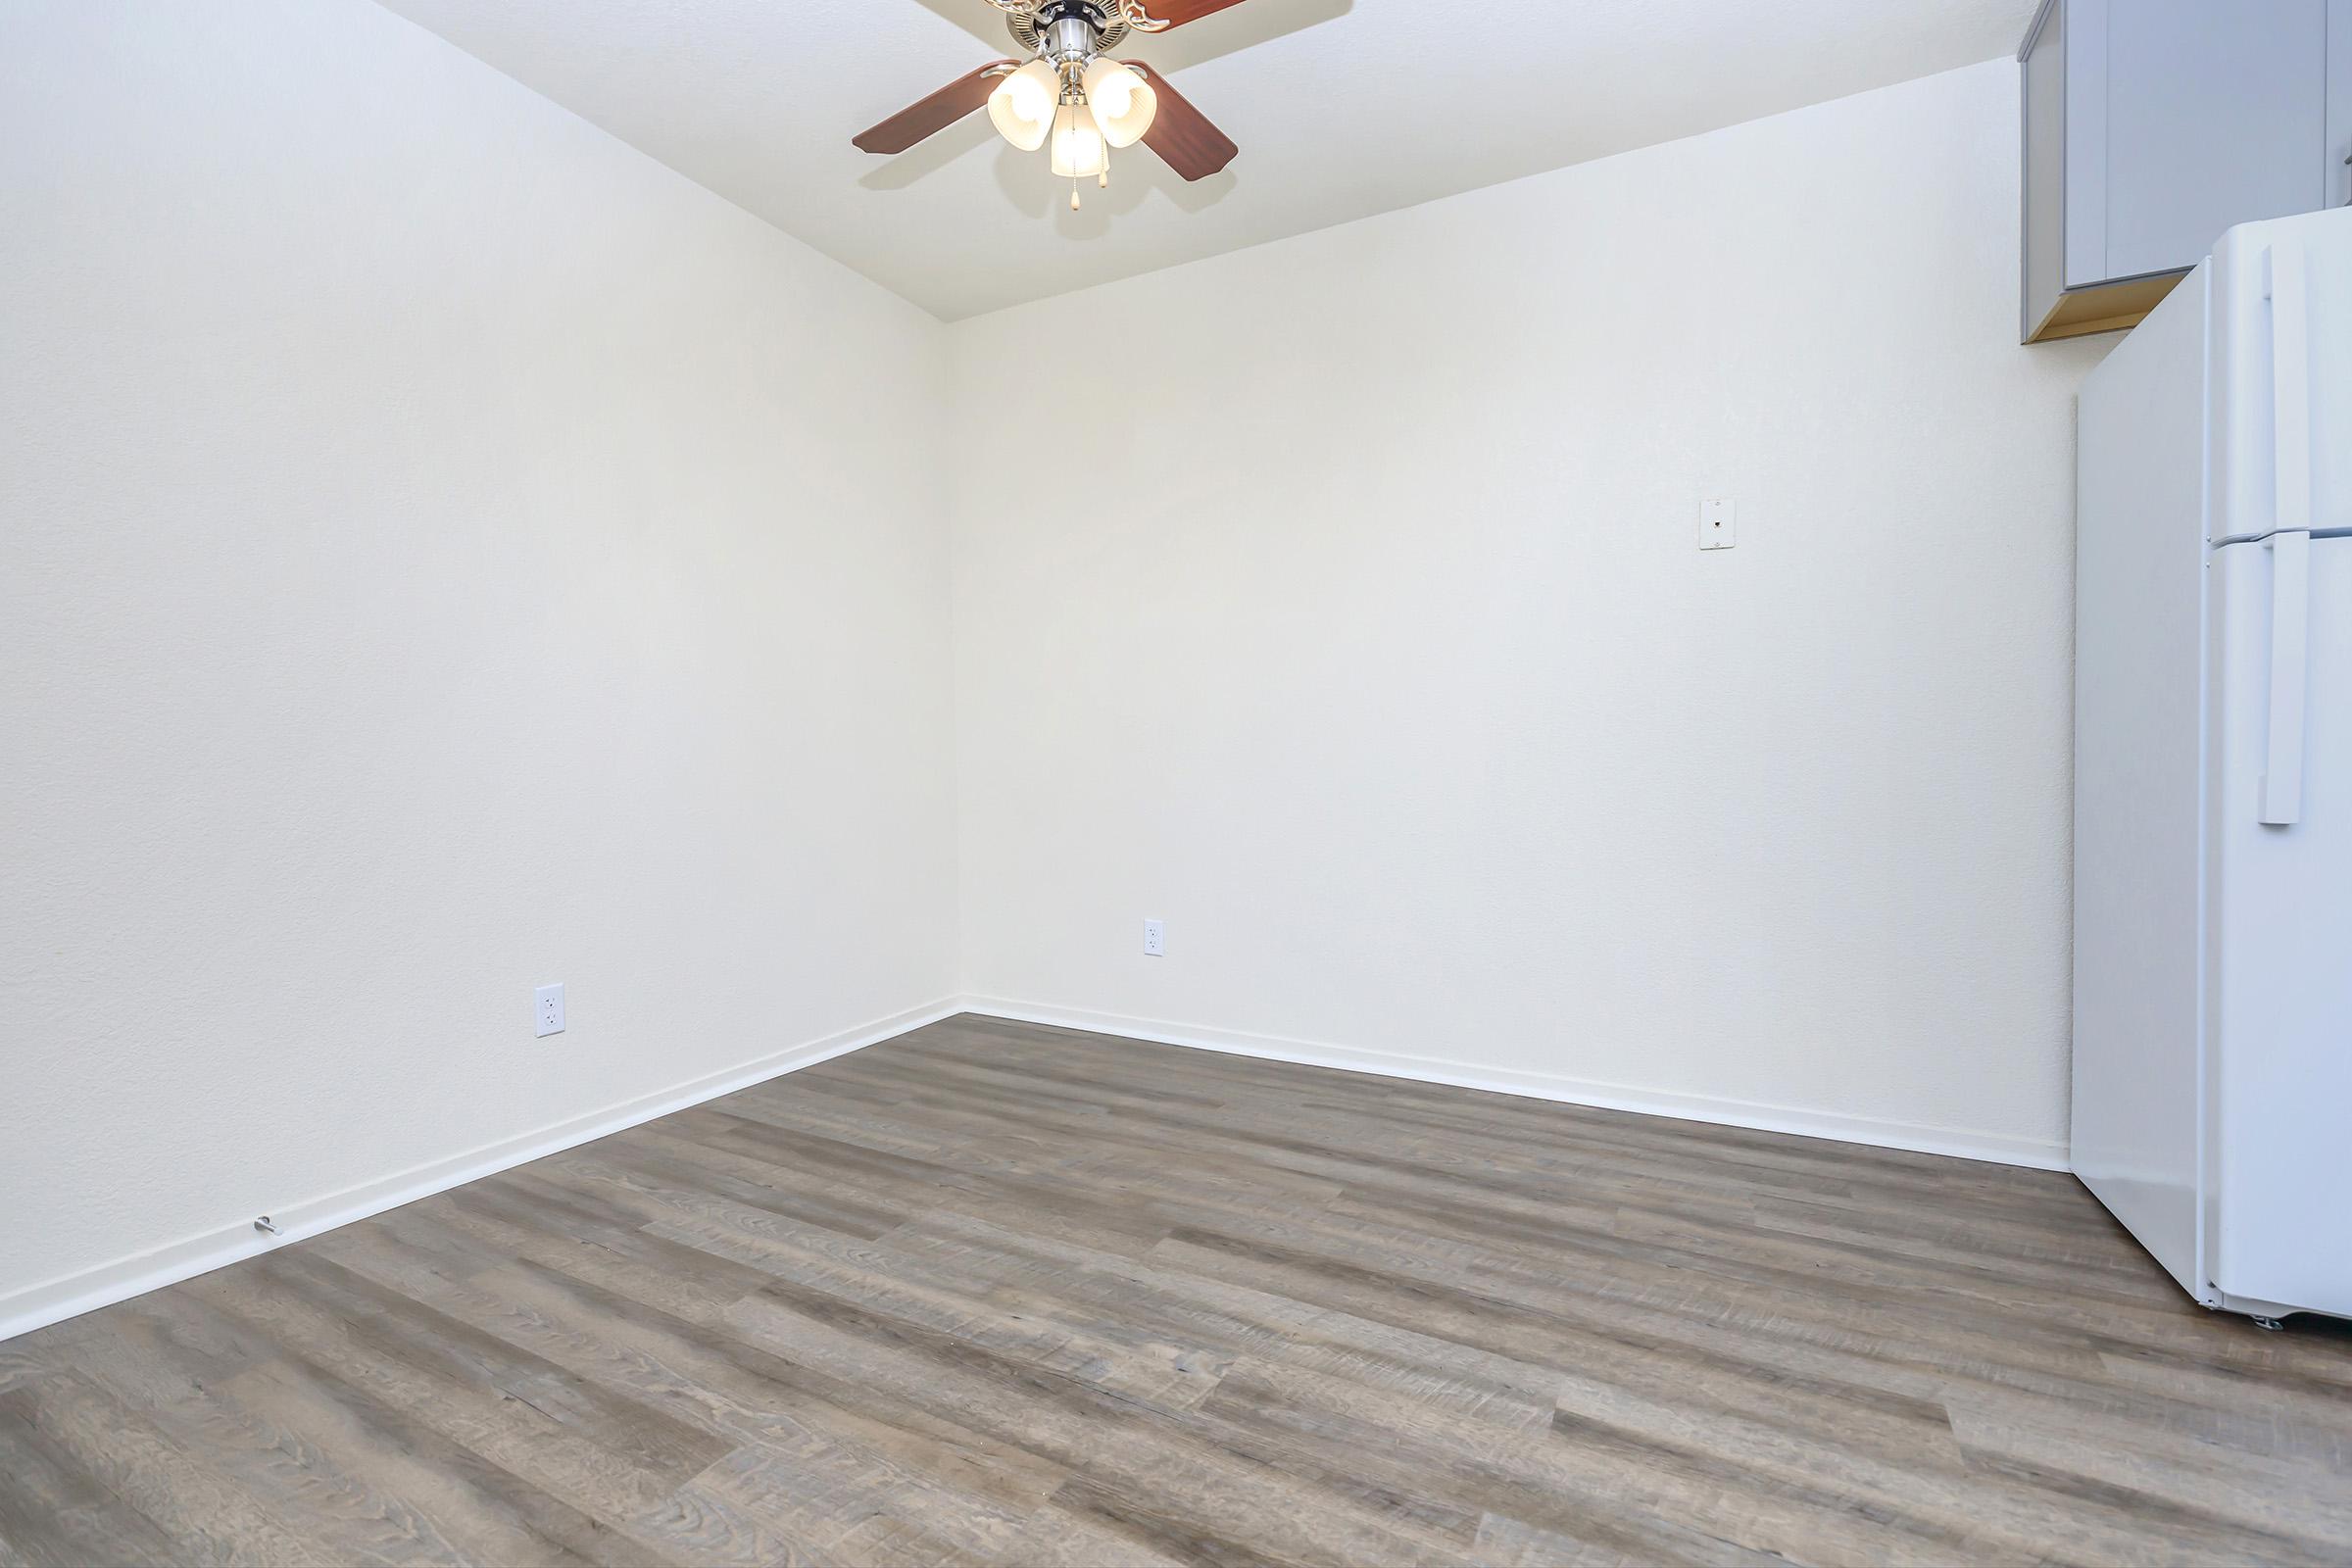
1071 1282
1027 1297
483 1512
606 1487
54 1510
739 1395
1057 1536
678 1280
208 1515
1630 1496
1170 1488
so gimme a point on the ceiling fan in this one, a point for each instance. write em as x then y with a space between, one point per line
1073 94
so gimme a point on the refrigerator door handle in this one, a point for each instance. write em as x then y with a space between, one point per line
2290 642
2290 385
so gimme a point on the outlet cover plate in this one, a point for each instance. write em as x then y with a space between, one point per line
547 1011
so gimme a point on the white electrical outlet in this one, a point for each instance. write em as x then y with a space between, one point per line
550 1010
1715 528
1155 943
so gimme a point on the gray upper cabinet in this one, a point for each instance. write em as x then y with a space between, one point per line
2339 104
2151 126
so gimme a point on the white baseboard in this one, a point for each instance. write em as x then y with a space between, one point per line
87 1290
1997 1147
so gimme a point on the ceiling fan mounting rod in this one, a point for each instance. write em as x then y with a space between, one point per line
1071 35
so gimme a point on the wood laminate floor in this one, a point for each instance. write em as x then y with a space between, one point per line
993 1293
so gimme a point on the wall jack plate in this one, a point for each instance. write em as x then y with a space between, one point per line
547 1011
1716 530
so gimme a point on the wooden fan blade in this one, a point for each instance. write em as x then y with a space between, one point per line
935 113
1176 13
1181 134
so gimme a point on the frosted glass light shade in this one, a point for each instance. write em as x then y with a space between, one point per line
1123 102
1023 103
1078 150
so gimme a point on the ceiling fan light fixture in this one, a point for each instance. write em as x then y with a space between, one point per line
1022 108
1079 152
1123 102
1072 93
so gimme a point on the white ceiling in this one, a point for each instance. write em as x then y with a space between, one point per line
1342 108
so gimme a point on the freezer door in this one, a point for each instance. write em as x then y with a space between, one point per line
2278 1194
2281 377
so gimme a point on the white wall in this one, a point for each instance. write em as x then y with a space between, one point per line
1352 622
441 551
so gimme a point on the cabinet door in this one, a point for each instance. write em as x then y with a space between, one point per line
2211 114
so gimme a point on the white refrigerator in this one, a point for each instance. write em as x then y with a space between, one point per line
2213 776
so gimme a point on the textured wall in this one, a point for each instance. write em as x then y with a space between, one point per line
1367 643
441 551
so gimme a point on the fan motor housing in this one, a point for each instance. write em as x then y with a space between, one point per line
1068 30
